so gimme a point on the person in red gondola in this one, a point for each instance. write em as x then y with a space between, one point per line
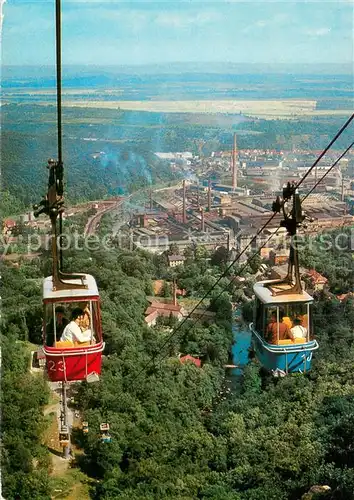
60 324
86 318
72 332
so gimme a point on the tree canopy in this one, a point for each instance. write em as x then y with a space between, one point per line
177 433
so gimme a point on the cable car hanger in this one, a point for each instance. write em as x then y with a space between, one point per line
53 203
53 206
293 219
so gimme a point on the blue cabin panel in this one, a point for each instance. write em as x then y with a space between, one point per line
295 358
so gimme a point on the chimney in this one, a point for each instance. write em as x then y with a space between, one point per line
234 167
174 292
202 227
184 203
209 195
150 199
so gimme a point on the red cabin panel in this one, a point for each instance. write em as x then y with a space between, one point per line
75 360
65 365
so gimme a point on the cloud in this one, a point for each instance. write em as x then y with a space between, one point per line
2 2
186 19
318 31
277 20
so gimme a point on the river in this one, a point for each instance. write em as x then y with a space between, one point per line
241 345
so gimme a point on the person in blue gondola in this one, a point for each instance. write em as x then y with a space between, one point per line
278 330
72 332
298 330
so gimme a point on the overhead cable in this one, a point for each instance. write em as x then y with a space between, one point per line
225 273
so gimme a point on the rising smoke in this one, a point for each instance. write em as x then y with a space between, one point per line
125 168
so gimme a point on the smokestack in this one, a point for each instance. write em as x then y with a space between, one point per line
234 167
184 215
209 195
202 226
174 292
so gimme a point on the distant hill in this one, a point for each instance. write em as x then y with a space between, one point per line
9 72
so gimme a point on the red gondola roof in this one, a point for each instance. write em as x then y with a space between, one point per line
89 292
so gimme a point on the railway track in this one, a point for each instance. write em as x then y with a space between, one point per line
94 220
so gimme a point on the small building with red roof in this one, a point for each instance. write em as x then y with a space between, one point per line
164 308
8 225
316 279
189 359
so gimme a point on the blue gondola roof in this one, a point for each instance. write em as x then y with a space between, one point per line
264 294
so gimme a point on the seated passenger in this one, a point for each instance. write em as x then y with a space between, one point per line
86 320
305 321
272 330
287 321
72 332
60 324
298 330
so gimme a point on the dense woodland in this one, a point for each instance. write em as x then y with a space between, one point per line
173 435
123 170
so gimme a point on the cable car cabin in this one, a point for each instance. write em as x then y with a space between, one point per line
64 436
105 435
72 330
277 318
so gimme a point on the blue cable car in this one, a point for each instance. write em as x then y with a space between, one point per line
105 435
282 331
282 355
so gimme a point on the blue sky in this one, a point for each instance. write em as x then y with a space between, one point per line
113 32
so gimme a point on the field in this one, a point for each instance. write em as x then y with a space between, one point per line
265 95
271 109
114 123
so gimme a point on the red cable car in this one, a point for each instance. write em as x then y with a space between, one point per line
72 325
69 360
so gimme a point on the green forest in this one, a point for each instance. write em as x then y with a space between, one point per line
124 169
176 432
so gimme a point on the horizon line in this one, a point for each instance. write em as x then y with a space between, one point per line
349 63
